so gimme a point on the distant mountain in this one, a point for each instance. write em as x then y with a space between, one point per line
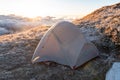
106 20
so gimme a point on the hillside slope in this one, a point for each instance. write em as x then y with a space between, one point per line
106 20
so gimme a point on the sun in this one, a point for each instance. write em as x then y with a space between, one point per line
33 9
28 8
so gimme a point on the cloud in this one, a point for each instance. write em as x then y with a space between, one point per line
12 23
4 31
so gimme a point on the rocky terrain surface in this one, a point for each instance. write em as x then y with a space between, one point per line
106 20
16 51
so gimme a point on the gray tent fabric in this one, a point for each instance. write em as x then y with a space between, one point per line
114 72
64 44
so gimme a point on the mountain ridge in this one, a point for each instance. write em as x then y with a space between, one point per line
106 20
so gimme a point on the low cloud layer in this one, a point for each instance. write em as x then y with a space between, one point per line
4 31
12 23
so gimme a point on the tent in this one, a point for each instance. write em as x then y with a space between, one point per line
64 44
114 72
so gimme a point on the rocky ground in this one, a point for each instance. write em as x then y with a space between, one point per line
16 51
106 20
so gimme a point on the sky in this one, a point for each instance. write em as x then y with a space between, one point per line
57 8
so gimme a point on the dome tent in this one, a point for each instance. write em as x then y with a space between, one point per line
64 44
